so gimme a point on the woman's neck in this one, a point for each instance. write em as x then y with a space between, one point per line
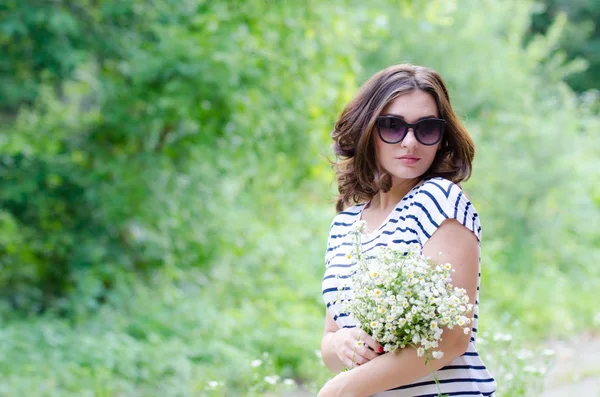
400 188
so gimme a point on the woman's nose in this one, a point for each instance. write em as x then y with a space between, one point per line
410 140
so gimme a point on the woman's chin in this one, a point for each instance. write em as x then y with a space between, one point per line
406 174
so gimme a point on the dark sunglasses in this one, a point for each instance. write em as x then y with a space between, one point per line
392 129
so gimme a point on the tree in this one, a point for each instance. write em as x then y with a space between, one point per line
581 37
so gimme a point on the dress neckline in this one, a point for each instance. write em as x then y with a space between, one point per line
388 217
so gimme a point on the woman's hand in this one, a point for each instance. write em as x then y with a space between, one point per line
354 346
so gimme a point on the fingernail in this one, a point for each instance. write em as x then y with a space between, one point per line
381 350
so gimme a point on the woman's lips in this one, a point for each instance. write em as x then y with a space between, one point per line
408 160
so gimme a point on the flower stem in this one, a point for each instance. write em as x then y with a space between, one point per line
437 383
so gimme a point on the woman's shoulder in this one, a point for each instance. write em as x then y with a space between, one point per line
340 226
439 199
347 217
352 211
439 184
440 192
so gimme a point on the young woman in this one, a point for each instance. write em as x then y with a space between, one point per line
401 155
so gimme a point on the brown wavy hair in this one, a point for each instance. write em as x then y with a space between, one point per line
358 175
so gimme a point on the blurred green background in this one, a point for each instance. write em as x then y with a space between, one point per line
165 187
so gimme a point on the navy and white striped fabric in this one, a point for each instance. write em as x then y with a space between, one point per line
414 219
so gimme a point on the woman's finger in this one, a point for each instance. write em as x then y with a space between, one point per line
357 355
360 360
367 353
372 343
363 349
348 363
367 339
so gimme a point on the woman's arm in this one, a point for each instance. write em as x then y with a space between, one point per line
330 357
458 246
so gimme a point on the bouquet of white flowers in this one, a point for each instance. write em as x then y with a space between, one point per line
402 298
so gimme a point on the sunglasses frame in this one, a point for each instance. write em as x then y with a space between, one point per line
408 126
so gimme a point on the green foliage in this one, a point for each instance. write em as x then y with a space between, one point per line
581 37
165 192
131 170
46 41
184 328
518 365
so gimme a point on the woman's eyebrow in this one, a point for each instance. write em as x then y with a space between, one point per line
402 117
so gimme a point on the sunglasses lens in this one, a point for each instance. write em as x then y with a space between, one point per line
391 130
429 132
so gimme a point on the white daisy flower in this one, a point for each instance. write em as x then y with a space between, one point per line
271 379
256 363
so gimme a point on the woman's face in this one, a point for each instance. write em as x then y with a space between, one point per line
407 159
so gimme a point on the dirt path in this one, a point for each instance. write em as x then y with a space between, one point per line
576 371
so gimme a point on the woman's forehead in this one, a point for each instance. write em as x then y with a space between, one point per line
412 106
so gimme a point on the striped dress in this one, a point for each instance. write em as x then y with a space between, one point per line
414 219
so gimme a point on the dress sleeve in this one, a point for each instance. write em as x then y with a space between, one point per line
440 199
338 230
328 246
